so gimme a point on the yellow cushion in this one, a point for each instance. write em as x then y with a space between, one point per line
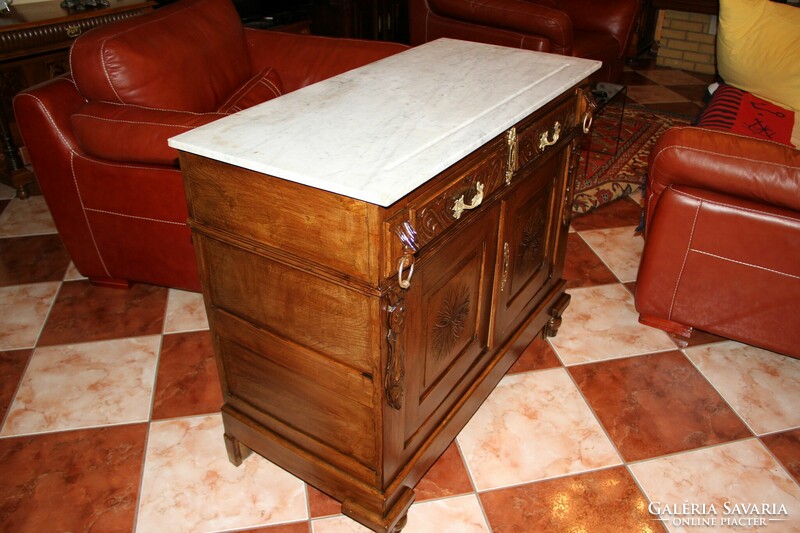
758 49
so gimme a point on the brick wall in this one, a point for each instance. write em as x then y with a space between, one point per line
684 41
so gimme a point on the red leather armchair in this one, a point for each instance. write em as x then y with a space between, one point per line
97 138
722 249
581 28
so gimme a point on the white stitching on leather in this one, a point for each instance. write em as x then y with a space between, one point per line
148 108
758 267
133 167
120 121
149 219
683 266
86 218
693 149
46 113
729 206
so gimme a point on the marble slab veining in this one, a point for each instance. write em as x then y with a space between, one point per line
378 132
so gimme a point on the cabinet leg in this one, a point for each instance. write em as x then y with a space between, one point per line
237 452
551 328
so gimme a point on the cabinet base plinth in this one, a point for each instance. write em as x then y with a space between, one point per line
392 522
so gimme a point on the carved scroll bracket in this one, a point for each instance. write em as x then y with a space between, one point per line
394 377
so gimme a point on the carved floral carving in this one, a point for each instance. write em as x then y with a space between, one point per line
394 377
451 319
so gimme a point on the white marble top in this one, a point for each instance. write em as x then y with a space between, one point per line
378 132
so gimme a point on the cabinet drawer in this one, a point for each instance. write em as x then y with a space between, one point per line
463 189
542 133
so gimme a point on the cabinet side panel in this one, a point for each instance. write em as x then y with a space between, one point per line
315 313
311 224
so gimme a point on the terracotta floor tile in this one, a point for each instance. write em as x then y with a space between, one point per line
185 312
320 504
602 323
786 447
533 426
84 385
669 77
26 217
582 266
462 514
537 356
651 94
189 485
658 404
738 473
622 212
631 77
12 366
763 387
447 477
32 259
23 310
187 382
602 501
619 248
84 312
695 93
296 527
84 480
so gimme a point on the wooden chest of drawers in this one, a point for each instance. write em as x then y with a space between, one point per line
356 338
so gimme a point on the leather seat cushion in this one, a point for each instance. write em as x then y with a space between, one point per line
202 58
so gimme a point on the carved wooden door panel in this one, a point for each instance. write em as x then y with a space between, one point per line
447 324
527 245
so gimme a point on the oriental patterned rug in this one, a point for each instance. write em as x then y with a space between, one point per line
603 177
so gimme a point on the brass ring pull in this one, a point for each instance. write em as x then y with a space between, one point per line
73 31
544 143
406 260
459 207
587 122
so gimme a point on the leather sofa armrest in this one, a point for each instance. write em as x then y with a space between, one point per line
733 164
517 15
301 60
133 134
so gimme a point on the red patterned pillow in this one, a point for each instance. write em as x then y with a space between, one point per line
264 86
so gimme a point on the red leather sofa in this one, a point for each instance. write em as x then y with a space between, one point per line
581 28
97 138
722 227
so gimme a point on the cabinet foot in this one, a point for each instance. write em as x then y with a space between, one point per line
393 521
237 452
551 328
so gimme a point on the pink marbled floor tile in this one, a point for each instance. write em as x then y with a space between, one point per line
460 513
619 248
85 385
23 310
26 217
533 426
741 472
185 312
602 323
189 485
762 387
72 273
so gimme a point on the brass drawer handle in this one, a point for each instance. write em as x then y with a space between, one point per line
587 121
405 261
460 206
544 143
73 31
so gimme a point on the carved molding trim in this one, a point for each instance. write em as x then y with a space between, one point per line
394 377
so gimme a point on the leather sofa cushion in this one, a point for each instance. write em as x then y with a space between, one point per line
133 134
187 56
264 86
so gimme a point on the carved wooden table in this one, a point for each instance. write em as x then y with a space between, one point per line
34 43
376 251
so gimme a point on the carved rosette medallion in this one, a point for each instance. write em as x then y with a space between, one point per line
394 377
531 247
451 319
